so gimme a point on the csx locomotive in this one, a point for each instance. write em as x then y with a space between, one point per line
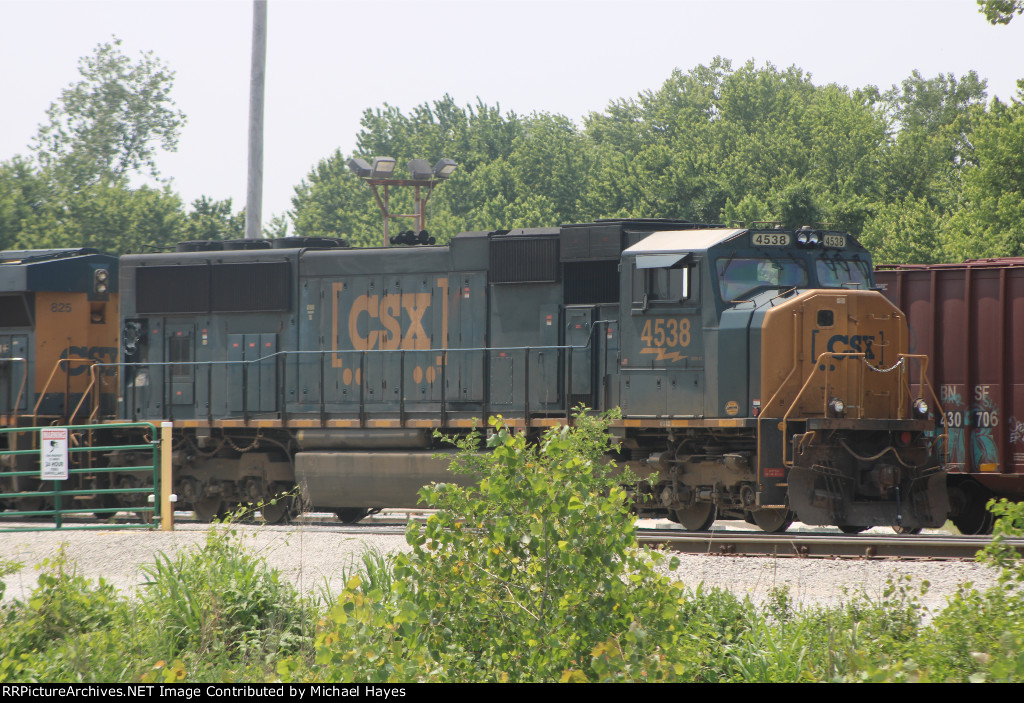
759 374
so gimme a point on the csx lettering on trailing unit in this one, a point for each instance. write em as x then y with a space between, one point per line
386 326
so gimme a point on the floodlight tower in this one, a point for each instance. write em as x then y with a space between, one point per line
379 175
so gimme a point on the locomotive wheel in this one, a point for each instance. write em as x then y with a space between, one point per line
351 516
209 508
972 517
901 530
773 519
696 518
852 529
279 510
30 504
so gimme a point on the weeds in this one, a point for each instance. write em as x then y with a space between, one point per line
221 598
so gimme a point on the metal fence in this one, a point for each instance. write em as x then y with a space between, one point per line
92 485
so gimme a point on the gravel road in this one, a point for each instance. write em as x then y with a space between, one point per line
316 559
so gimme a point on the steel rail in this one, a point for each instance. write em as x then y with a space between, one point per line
816 545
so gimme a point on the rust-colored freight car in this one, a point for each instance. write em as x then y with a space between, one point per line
969 319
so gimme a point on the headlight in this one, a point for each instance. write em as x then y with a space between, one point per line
921 407
837 406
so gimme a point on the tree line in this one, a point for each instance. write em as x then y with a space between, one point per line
926 171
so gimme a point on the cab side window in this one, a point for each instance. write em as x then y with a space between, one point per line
664 285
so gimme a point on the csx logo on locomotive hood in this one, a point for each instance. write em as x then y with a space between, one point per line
382 318
857 343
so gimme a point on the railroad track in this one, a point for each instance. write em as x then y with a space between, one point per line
723 542
795 544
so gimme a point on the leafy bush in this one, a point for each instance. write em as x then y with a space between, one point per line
56 634
532 574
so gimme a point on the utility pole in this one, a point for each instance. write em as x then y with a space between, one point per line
257 76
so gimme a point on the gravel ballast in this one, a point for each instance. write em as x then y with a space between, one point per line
317 560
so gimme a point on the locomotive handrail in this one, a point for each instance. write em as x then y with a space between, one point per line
46 386
788 463
925 383
24 380
282 356
85 394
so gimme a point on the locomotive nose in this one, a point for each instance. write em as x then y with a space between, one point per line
832 354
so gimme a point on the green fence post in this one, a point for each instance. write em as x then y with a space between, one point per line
56 503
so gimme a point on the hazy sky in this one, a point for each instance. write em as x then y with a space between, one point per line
328 61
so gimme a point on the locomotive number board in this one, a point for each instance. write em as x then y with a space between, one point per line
771 239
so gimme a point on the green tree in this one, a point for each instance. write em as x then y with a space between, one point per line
905 232
1000 11
108 217
333 202
931 120
110 123
990 221
24 196
213 219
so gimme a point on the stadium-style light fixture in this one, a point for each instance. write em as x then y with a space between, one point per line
380 176
383 166
360 167
444 168
419 169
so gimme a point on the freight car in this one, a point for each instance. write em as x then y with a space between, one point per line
758 373
969 318
58 316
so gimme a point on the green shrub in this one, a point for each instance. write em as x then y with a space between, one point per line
55 634
532 574
219 598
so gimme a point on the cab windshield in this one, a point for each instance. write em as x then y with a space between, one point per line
738 277
843 273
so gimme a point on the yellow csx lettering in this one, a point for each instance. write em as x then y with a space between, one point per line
387 311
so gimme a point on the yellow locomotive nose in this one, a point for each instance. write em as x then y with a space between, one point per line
828 353
839 435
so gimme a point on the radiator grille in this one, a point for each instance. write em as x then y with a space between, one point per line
591 282
259 287
172 289
522 260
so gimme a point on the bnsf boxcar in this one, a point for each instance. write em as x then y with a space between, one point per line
969 319
757 371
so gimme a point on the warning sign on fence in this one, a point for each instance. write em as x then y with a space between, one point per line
53 454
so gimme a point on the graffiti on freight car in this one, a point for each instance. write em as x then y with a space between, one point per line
1016 431
972 425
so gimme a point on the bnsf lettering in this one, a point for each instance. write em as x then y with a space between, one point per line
383 318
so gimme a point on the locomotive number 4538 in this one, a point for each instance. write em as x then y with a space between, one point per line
666 332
